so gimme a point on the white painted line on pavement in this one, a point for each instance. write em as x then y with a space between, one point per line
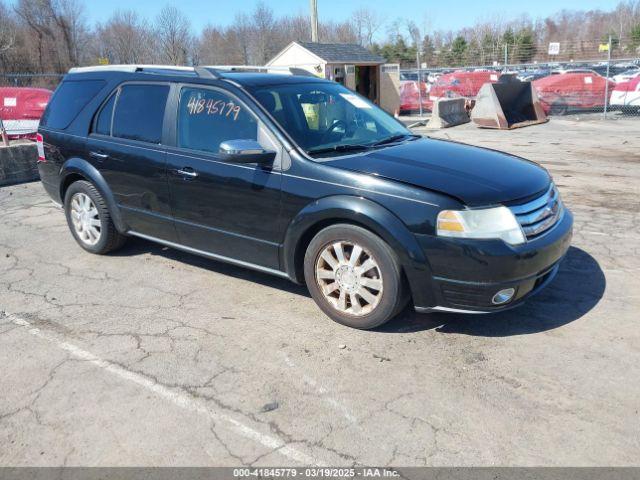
322 391
176 397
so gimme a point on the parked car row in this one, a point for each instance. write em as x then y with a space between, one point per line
561 90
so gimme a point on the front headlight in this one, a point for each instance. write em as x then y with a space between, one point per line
498 222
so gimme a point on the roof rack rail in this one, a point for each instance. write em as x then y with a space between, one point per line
206 71
129 68
261 69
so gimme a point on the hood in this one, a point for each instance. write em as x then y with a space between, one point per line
476 176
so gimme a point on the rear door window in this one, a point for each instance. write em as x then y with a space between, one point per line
139 112
68 100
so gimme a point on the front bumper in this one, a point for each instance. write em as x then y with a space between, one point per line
466 298
466 274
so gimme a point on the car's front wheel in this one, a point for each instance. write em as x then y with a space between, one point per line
559 108
354 276
89 219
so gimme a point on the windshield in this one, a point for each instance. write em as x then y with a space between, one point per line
327 119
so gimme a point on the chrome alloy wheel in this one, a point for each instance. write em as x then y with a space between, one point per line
85 218
349 278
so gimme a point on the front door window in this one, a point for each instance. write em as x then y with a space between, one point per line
209 117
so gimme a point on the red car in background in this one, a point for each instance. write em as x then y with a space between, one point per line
460 84
21 109
626 96
560 93
410 97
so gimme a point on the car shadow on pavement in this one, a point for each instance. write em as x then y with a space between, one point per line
137 246
578 287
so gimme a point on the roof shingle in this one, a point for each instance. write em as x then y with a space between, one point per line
342 52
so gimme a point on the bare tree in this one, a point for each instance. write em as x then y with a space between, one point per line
8 39
173 34
58 31
264 33
343 32
53 35
294 28
218 46
125 38
7 30
72 22
366 22
243 35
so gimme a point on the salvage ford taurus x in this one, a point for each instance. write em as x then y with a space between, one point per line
301 178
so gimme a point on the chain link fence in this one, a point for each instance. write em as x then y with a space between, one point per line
34 80
599 77
609 88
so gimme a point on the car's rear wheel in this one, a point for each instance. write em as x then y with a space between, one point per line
354 276
89 219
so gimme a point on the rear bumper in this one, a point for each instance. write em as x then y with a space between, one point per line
466 274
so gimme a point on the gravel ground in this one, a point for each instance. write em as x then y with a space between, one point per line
155 357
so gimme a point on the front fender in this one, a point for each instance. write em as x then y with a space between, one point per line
79 167
350 209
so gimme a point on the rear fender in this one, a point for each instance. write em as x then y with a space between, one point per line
79 167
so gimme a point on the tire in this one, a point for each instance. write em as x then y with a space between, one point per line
87 213
333 282
559 109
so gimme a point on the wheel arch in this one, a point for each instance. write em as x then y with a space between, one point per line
76 169
350 210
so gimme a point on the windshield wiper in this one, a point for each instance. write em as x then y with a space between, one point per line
352 147
340 148
394 138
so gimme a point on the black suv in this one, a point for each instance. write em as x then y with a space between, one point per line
301 178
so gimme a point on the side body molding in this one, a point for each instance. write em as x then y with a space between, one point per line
349 209
79 166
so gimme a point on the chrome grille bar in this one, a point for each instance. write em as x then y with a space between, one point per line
539 215
541 201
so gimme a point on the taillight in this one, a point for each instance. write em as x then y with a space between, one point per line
40 145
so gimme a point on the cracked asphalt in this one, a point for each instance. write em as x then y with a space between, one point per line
155 357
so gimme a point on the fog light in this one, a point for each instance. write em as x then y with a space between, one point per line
503 296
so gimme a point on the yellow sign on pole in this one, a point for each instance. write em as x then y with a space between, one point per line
103 61
603 47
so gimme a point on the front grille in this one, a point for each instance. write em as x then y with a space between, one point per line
539 215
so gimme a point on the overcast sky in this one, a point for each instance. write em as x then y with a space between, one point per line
440 14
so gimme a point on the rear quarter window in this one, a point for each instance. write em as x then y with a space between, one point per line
68 100
103 121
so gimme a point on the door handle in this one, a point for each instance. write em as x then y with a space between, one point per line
187 172
98 155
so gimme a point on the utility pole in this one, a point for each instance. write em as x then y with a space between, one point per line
606 88
314 20
419 78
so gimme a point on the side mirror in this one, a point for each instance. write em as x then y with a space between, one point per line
245 151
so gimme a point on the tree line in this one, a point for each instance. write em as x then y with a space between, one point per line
520 40
50 36
53 35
